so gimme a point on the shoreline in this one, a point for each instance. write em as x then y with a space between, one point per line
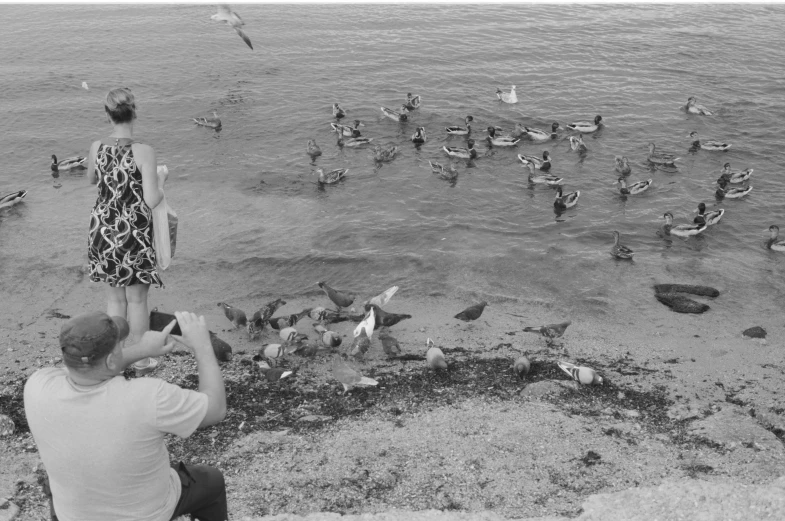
666 379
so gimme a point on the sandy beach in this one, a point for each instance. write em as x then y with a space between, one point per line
685 396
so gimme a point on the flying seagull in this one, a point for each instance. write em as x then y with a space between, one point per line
225 14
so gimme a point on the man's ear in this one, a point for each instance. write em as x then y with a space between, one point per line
114 361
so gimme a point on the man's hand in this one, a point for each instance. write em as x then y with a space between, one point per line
154 343
195 333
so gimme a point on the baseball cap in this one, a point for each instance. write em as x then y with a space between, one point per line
90 337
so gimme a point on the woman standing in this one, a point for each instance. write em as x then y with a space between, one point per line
120 247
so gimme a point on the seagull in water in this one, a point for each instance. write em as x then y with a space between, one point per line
225 14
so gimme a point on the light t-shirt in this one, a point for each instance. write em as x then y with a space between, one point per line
103 445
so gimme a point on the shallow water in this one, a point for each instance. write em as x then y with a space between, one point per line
253 222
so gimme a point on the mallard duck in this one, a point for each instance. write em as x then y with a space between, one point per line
731 193
463 153
356 141
543 179
12 198
507 97
461 131
213 122
384 154
693 108
635 188
708 145
620 251
312 149
419 136
660 158
537 134
773 243
735 176
412 102
586 127
395 116
564 201
622 165
333 176
681 230
543 164
348 130
338 112
68 163
449 173
709 218
500 141
577 144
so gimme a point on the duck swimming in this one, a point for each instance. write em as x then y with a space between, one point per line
731 193
622 165
692 107
660 158
355 141
543 164
449 173
412 102
507 97
635 188
707 145
348 130
773 243
419 136
680 230
735 176
463 153
461 131
395 116
543 179
338 112
586 127
576 144
564 201
333 176
619 251
12 198
384 154
500 141
709 218
68 163
213 122
312 149
536 134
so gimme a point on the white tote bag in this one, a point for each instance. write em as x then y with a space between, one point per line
164 230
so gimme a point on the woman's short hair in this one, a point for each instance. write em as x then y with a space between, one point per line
120 105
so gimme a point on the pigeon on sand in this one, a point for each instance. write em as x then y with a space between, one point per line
389 344
349 377
367 324
361 345
222 350
435 357
339 298
260 318
276 374
237 316
472 312
550 331
328 338
384 297
229 17
384 319
581 374
521 366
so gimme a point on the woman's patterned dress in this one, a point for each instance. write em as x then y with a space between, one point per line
120 245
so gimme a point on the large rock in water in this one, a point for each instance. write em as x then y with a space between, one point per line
681 304
704 291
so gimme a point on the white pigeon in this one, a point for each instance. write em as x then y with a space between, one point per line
507 97
384 297
273 350
226 15
368 323
581 374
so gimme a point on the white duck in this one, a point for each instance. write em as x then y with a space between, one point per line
507 97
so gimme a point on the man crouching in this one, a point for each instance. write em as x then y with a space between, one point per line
101 437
